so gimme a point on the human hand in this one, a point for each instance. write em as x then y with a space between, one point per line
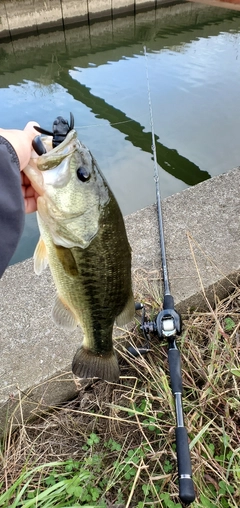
29 194
21 141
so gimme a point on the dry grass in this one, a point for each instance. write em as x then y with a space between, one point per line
134 421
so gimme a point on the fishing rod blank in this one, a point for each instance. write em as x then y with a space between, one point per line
168 325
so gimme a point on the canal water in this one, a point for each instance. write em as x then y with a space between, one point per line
193 59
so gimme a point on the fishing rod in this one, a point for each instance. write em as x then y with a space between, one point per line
167 325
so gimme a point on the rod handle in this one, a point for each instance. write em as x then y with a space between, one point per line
186 486
174 361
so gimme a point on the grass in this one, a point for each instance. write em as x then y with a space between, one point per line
114 445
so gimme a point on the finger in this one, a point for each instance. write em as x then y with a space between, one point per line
24 179
29 192
30 205
29 129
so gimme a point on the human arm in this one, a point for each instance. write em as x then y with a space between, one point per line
16 193
21 141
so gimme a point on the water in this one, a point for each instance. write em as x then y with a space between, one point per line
194 74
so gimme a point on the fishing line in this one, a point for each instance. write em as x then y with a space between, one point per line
101 124
156 179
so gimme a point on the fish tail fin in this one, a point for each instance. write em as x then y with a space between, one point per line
87 364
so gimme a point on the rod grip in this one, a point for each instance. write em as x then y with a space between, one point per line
186 486
168 302
175 370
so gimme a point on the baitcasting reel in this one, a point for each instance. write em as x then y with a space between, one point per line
166 325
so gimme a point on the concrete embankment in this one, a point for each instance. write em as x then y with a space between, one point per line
202 232
28 16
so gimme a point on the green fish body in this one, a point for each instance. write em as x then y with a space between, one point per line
84 241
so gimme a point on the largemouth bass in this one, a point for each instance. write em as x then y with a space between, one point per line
83 239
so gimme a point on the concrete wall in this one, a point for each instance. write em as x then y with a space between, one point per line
116 31
202 232
90 35
22 16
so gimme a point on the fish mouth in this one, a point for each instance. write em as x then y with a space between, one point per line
52 168
57 176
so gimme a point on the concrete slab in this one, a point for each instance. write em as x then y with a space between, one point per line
21 16
24 16
144 4
48 13
187 13
4 25
202 232
28 16
122 6
74 12
99 9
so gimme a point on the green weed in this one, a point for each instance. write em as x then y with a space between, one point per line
120 451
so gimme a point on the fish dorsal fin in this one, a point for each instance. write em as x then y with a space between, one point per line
127 313
40 257
67 260
63 316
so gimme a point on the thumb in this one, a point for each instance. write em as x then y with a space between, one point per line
24 151
29 129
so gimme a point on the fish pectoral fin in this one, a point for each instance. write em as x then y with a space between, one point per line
67 260
63 316
127 313
40 257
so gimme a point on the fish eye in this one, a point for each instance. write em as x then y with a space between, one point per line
83 174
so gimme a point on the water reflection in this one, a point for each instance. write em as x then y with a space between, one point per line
169 159
98 73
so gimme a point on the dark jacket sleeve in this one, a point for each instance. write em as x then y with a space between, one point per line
11 203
